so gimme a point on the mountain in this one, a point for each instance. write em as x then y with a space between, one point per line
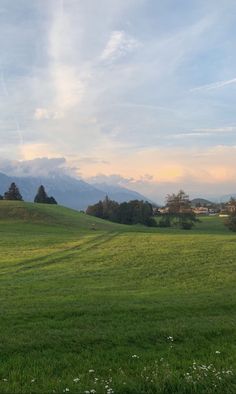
119 193
201 201
68 191
227 197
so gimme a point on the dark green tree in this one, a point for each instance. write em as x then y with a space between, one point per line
13 193
231 222
132 212
42 197
51 200
125 213
95 210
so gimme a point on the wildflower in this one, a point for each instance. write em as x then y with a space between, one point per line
92 391
217 352
170 338
91 371
135 356
66 390
32 380
5 380
76 380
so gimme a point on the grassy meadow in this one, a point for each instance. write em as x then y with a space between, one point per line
89 306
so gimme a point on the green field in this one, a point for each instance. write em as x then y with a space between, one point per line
91 306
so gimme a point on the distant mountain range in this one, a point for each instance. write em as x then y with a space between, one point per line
68 191
201 201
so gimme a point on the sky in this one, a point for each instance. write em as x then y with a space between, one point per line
139 93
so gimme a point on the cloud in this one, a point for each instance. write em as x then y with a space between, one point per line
113 179
216 130
204 132
92 160
38 167
44 113
214 85
119 45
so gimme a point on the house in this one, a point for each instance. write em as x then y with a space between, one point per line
201 211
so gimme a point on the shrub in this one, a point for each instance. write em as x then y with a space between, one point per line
231 222
165 221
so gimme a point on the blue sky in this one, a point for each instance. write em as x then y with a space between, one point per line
136 92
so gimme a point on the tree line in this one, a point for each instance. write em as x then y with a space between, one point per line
132 212
178 212
13 194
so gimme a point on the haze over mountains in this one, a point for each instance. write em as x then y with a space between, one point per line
68 191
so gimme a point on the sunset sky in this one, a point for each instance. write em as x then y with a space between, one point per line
140 93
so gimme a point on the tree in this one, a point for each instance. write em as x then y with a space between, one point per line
178 203
51 200
132 212
42 197
106 209
95 210
1 197
231 221
180 211
13 193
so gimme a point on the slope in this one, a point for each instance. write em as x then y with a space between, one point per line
115 310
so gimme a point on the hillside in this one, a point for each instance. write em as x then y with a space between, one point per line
53 215
120 309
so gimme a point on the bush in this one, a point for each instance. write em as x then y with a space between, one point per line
186 225
165 221
231 222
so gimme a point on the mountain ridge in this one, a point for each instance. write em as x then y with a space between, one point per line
68 191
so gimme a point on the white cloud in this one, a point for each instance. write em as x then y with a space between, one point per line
204 132
214 85
119 44
43 166
44 113
216 130
113 179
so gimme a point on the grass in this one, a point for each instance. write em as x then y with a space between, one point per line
116 309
